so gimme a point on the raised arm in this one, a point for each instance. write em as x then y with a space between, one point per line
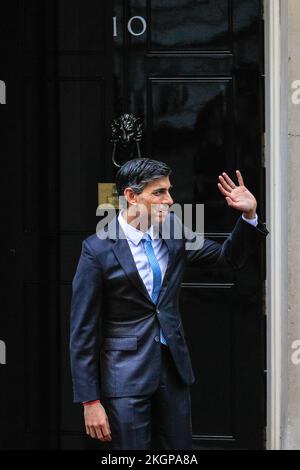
245 237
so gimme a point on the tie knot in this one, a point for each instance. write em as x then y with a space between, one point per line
146 237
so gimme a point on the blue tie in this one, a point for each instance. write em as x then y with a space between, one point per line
156 274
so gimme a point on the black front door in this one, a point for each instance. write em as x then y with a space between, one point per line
192 71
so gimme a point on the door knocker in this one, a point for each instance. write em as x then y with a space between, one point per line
127 133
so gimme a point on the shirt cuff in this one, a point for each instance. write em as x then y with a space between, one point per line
253 221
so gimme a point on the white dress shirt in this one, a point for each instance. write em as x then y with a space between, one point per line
134 237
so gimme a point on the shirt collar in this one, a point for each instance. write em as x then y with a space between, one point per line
132 233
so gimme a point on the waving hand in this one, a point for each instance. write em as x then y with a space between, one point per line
238 197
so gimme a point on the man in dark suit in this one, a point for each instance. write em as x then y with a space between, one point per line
130 363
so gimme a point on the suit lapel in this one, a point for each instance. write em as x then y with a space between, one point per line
171 248
126 260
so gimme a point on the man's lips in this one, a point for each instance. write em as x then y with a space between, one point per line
161 212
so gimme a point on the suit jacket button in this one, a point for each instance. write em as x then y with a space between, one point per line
157 339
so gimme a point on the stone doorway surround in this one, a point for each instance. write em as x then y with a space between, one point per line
282 142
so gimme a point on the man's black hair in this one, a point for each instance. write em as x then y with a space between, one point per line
138 172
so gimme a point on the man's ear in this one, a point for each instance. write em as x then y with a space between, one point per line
130 196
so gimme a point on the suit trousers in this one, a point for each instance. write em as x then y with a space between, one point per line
159 421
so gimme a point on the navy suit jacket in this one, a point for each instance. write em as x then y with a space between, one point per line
114 324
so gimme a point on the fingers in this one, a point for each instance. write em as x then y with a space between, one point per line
108 427
223 191
240 178
106 431
91 432
101 432
231 203
98 432
225 184
229 181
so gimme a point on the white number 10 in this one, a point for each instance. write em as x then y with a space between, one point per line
129 25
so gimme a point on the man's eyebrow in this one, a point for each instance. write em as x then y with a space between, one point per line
159 189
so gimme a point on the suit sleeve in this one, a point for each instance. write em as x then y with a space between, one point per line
87 288
234 251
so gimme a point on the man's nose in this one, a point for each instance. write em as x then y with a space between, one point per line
168 200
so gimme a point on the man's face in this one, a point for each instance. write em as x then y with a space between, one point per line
155 200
